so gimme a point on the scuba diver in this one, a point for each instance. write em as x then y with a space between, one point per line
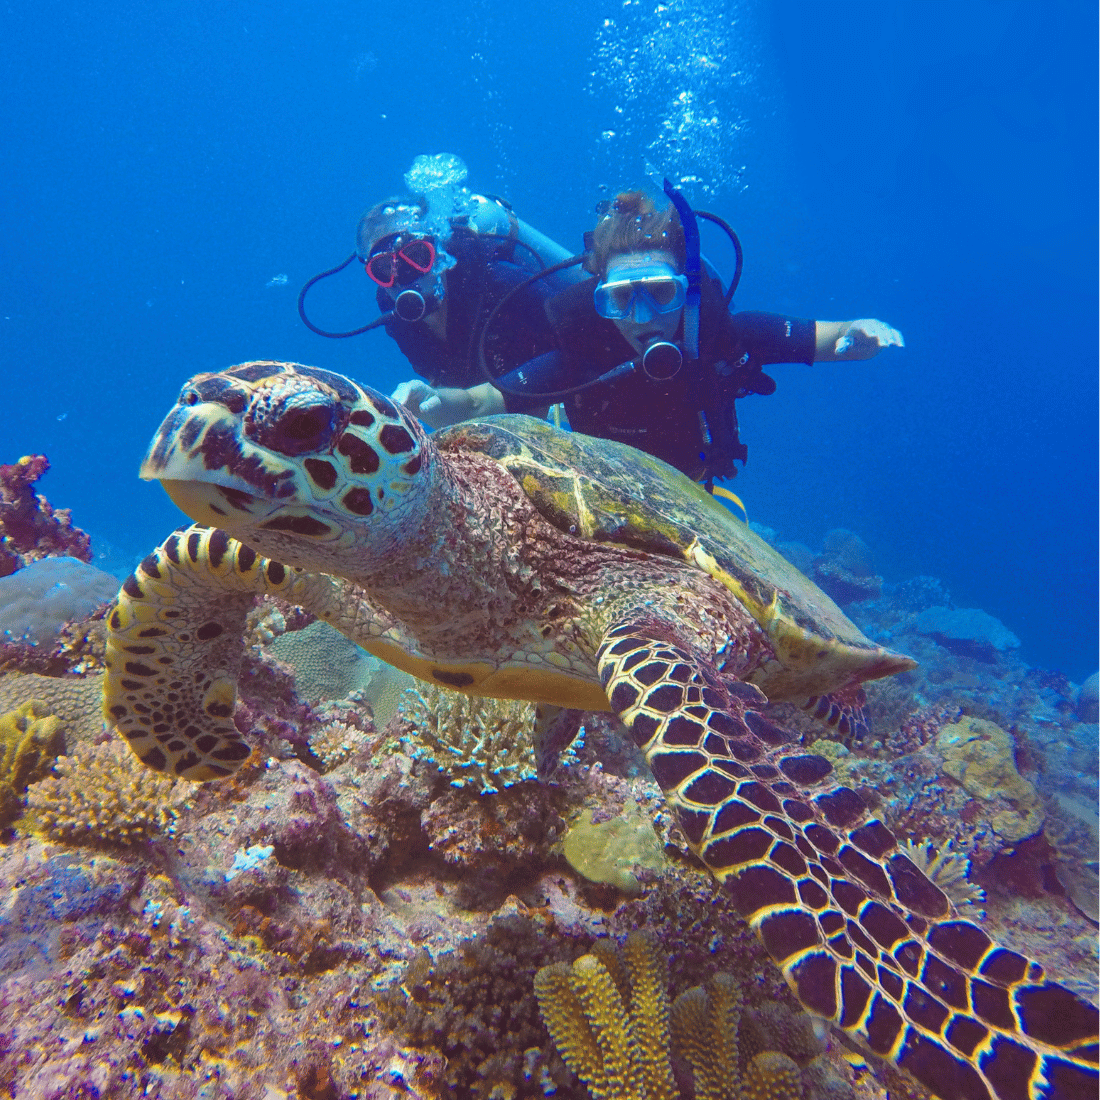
648 352
439 263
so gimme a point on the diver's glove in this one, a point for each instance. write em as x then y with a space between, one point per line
865 338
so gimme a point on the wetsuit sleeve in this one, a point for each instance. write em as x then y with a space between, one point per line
541 375
771 338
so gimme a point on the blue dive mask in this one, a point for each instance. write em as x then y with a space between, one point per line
652 286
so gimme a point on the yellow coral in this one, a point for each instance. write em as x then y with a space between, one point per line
30 739
609 1017
618 1052
980 756
102 793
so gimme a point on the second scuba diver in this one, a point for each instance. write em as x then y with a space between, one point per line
647 351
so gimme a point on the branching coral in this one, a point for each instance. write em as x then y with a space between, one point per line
610 1017
102 793
481 743
947 868
30 739
613 1034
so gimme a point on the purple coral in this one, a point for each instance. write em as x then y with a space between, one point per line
30 527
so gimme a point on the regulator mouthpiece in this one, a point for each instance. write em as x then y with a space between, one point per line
661 360
410 305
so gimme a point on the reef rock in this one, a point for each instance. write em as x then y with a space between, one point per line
967 632
980 756
1088 700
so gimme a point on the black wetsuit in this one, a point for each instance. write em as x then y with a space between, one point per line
689 421
485 271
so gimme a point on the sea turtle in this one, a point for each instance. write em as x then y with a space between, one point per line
505 557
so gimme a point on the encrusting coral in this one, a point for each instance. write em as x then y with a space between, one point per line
30 739
610 1017
481 743
101 794
614 851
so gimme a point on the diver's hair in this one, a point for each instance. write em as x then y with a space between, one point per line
634 224
387 217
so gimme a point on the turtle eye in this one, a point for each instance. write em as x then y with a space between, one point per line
296 425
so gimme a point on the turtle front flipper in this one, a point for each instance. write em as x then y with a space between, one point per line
175 643
862 936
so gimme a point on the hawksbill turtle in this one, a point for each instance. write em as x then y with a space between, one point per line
504 557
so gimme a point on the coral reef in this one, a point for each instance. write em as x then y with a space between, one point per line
476 1007
981 756
102 794
30 739
30 527
481 743
340 921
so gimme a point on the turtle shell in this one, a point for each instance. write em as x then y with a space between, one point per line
606 491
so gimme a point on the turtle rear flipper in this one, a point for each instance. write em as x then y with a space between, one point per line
174 649
862 936
845 711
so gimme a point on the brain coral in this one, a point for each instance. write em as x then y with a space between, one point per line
76 700
36 602
102 793
329 666
980 756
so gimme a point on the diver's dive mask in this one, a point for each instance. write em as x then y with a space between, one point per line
400 259
403 261
650 289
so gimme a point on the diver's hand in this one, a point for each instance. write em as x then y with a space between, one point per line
865 338
422 401
436 408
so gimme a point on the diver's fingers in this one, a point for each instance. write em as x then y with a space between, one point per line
412 394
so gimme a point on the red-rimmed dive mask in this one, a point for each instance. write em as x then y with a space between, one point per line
403 262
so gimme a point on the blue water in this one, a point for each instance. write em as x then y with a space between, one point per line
929 163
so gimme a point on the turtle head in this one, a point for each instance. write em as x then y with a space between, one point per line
301 464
